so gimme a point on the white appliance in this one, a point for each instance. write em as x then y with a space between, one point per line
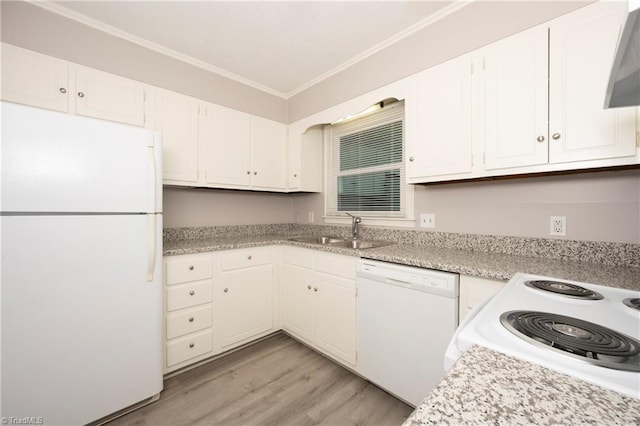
588 331
81 232
406 317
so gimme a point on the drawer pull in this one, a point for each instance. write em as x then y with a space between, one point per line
226 290
249 257
192 292
309 287
80 95
63 90
191 345
315 289
190 319
191 267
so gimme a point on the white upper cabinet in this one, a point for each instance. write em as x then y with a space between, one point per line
178 121
243 151
582 47
439 121
227 147
42 81
305 159
34 79
514 91
108 97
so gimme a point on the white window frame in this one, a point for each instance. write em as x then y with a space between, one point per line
368 219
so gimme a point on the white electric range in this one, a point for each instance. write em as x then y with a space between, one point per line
587 331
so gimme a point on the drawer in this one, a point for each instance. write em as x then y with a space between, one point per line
191 346
188 321
246 258
189 269
335 264
187 295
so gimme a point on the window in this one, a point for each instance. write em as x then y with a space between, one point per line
366 170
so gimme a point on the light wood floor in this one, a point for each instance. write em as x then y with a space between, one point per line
275 382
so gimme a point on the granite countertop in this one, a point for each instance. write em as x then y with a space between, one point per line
488 387
476 263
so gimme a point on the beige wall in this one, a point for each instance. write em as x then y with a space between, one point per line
598 206
34 28
211 207
474 26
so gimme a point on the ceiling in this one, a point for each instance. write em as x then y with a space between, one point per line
281 47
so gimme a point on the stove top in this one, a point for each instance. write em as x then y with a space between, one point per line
585 330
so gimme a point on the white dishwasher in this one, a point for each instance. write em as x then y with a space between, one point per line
406 318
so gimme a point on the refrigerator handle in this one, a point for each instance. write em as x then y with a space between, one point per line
152 179
151 246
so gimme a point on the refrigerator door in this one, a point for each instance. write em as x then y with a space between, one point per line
55 162
81 325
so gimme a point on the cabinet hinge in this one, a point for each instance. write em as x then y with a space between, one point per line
472 67
483 63
638 139
356 355
484 158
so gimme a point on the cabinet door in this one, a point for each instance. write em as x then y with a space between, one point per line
582 47
177 120
515 100
335 316
246 303
268 153
227 147
109 97
296 302
440 140
33 79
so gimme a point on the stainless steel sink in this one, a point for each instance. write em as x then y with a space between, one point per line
340 242
323 240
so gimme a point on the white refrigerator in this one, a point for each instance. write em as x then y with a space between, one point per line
81 278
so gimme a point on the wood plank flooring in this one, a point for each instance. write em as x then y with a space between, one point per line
277 381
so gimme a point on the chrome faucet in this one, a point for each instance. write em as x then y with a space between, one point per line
356 220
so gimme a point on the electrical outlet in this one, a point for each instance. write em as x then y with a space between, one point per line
310 217
427 220
558 226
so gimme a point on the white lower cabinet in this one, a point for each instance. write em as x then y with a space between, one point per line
318 301
188 309
474 291
244 298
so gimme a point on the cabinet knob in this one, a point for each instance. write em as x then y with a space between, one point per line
540 138
226 290
190 319
248 172
411 158
309 287
315 289
80 95
191 267
192 292
295 175
191 345
255 173
556 136
249 257
63 90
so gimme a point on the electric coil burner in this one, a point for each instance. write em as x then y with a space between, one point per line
588 331
633 303
564 289
574 337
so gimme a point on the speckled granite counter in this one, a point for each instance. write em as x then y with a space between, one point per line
469 262
486 387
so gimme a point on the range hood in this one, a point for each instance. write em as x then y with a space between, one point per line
623 89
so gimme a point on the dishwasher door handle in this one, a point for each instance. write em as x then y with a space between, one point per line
397 283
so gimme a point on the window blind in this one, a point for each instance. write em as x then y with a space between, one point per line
367 171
